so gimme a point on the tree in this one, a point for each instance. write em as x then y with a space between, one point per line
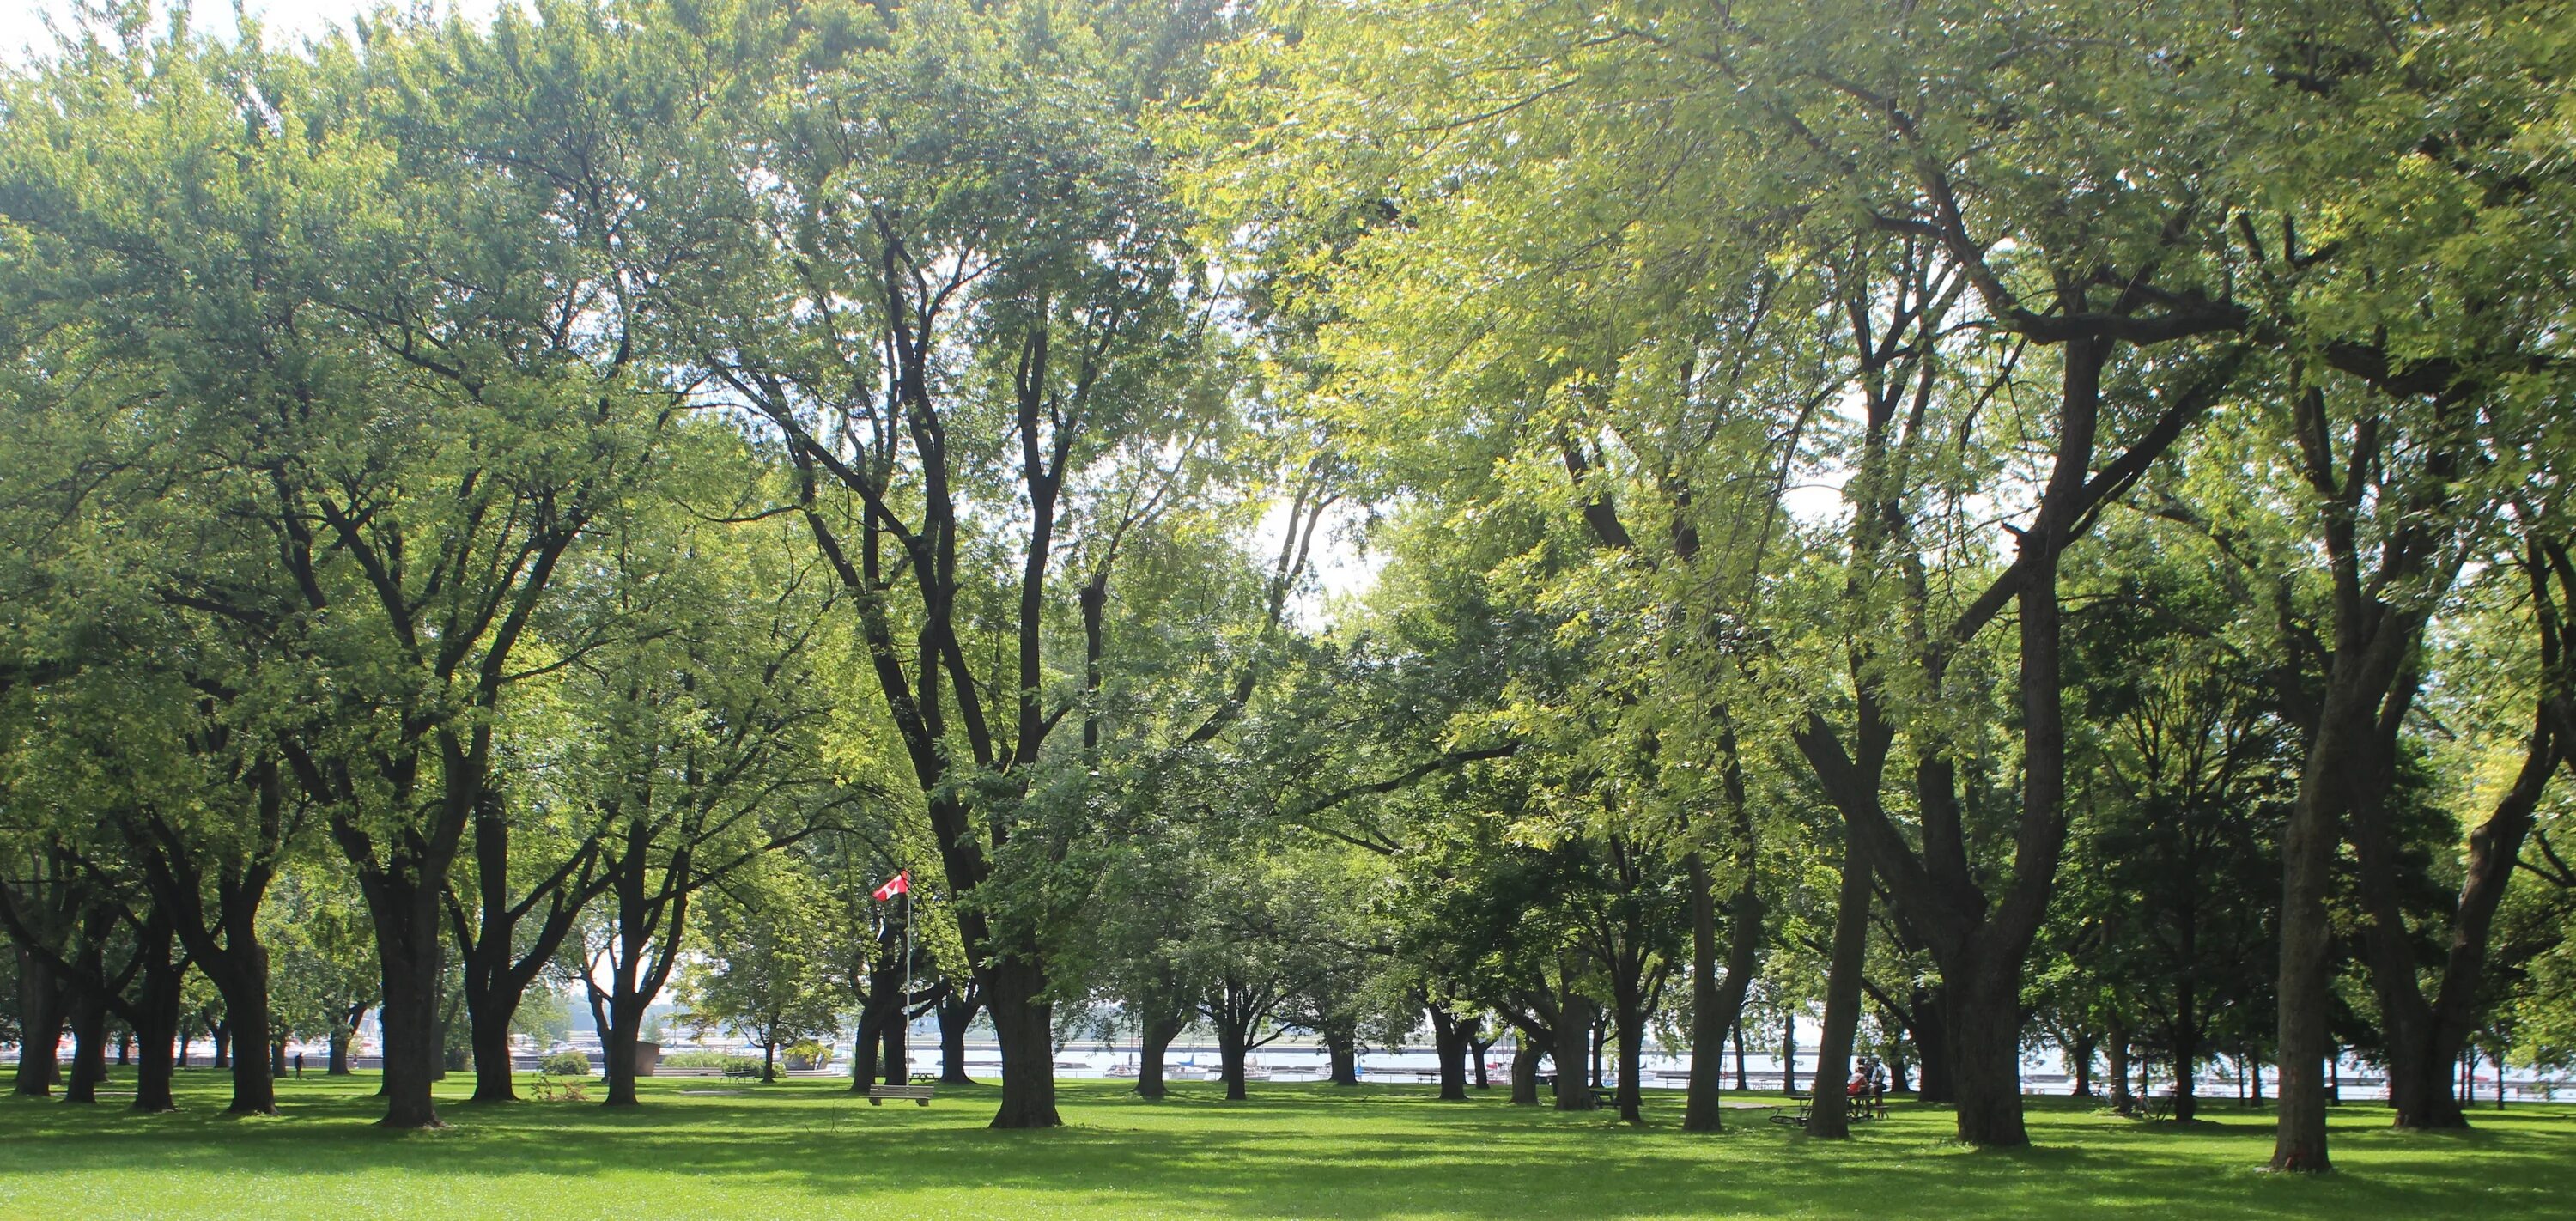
764 974
971 308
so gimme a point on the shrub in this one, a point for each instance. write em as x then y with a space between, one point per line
808 1054
565 1064
710 1059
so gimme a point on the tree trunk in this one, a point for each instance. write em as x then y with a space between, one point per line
2306 964
1717 1005
2422 1035
89 1046
156 1055
1233 1044
1342 1047
867 1048
1789 1053
768 1063
2082 1056
124 1048
219 1035
1743 1085
956 1013
409 951
40 1028
1573 1043
488 1031
1830 1118
1449 1041
339 1062
1525 1058
1155 1040
1985 1052
898 1044
2115 1044
1933 1079
242 980
618 1051
1024 1021
1631 1033
1479 1053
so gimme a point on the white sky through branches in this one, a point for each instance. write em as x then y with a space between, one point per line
22 22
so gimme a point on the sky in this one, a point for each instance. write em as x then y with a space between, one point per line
22 22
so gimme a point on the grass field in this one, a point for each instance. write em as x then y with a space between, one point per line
807 1150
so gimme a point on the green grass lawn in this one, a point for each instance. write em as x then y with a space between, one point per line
807 1150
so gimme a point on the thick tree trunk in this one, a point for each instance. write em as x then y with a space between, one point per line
2423 1035
156 1051
124 1048
244 986
409 951
898 1045
1830 1118
219 1036
1717 1006
339 1058
487 1018
1024 1021
1630 1028
2306 967
40 1030
1233 1045
2115 1044
1934 1081
1525 1058
1573 1045
2081 1055
867 1049
1449 1042
1479 1052
89 1046
1342 1049
1156 1040
768 1063
956 1013
617 1052
1984 1027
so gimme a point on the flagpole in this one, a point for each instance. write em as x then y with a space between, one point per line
903 1004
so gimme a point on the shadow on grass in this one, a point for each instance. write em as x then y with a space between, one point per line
1292 1150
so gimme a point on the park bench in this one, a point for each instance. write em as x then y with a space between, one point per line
1802 1107
741 1074
2156 1106
877 1094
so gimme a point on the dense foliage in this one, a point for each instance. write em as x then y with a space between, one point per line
1968 530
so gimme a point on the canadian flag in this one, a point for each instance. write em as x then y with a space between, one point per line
899 884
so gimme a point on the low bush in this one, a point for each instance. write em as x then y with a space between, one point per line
710 1059
565 1064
